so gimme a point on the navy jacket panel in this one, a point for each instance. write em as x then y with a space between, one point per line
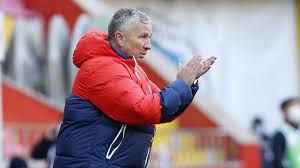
88 138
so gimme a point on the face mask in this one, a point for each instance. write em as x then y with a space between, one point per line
259 129
294 114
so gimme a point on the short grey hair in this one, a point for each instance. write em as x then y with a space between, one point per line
124 17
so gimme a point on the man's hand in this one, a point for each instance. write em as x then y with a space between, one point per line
194 69
189 71
205 66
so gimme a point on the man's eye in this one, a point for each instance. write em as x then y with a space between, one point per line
144 36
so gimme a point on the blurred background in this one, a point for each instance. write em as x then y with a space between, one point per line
256 43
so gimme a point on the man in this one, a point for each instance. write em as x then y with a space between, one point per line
286 141
265 139
109 118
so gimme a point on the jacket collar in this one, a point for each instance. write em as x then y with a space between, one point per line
129 60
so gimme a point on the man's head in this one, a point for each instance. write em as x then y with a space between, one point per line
291 111
17 162
257 123
130 31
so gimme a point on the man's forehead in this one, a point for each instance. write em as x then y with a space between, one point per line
137 25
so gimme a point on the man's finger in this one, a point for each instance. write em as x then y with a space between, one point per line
194 60
211 60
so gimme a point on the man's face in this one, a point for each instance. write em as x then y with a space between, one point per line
292 112
137 40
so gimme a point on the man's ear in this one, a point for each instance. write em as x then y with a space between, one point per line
119 38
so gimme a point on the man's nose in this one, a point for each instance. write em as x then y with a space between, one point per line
147 45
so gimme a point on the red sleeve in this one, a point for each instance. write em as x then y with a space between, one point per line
113 91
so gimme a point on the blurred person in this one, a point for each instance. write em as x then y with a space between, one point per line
265 139
51 155
17 162
286 141
40 149
109 120
52 149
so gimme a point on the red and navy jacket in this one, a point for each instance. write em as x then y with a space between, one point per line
109 118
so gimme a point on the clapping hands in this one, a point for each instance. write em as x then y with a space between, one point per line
195 68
